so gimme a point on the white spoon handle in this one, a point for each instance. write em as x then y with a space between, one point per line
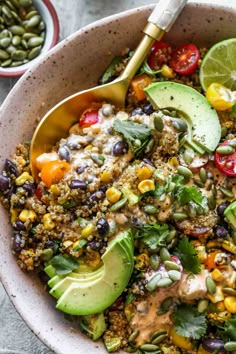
166 12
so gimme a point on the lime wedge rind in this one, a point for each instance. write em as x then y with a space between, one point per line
219 65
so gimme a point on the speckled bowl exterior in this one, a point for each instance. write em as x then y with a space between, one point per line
73 65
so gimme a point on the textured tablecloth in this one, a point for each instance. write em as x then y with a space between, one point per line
15 336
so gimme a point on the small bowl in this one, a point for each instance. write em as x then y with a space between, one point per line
49 16
73 65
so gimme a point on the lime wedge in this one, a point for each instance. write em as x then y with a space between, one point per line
219 65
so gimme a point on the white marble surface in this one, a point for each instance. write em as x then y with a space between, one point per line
15 336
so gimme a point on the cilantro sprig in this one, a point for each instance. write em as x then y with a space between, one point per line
133 132
188 322
187 254
64 264
153 235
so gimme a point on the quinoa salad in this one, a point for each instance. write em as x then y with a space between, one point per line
131 223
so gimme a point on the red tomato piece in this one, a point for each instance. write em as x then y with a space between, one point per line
159 55
226 163
88 118
185 58
39 192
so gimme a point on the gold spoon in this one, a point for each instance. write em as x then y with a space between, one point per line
57 122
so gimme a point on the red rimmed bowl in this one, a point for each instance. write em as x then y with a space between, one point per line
49 16
75 64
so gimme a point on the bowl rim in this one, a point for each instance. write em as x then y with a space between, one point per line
42 335
54 40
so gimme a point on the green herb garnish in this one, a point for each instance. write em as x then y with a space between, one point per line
153 235
64 264
186 252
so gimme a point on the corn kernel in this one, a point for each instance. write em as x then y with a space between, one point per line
217 275
67 244
180 341
167 72
173 162
54 189
105 176
14 213
88 147
47 222
27 215
143 173
220 306
230 304
229 246
87 231
24 177
146 185
113 195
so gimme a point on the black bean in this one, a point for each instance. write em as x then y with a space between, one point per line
212 345
135 222
4 183
120 148
137 111
81 169
103 189
221 208
19 225
102 227
77 184
17 244
64 153
96 196
96 245
148 109
220 231
11 168
147 161
29 188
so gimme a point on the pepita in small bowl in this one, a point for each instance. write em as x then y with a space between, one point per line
28 28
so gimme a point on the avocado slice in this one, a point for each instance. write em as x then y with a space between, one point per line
230 214
93 325
202 119
87 298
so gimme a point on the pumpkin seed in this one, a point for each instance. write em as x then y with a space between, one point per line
150 209
118 205
34 53
169 265
6 63
203 174
97 158
164 254
174 275
224 132
6 11
171 235
192 210
202 305
15 3
33 21
16 40
5 33
159 339
133 335
152 283
18 55
3 54
31 14
184 171
198 182
232 143
35 42
16 17
154 261
158 333
227 192
11 48
17 63
10 5
4 42
188 156
148 347
165 305
211 285
47 254
16 29
25 3
229 291
230 346
28 35
225 150
41 26
211 202
179 216
158 123
164 282
24 44
179 124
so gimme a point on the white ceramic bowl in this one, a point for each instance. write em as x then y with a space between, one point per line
49 16
57 74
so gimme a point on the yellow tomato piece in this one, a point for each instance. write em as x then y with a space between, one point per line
180 341
220 97
52 172
230 304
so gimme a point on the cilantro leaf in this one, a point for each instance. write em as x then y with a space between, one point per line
230 329
110 72
153 235
64 264
186 252
188 322
189 194
132 132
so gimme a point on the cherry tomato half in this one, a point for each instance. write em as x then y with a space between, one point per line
53 171
185 58
159 55
226 163
88 118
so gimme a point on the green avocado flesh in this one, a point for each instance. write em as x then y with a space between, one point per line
230 214
92 292
203 122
